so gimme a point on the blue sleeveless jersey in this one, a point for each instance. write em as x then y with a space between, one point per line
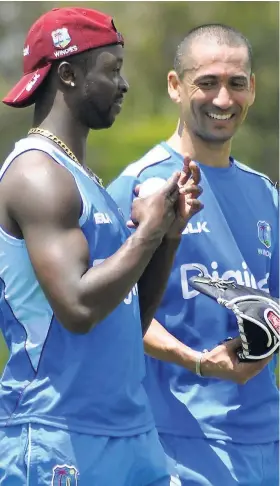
234 236
88 383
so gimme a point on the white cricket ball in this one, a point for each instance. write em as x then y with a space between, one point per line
150 186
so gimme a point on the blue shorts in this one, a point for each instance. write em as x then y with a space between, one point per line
35 455
219 463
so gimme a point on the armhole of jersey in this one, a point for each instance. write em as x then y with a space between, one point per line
40 148
10 239
84 205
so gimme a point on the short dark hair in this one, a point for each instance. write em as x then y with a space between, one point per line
83 59
222 33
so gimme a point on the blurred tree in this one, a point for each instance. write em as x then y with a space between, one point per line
152 32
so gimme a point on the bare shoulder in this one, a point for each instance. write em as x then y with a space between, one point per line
37 187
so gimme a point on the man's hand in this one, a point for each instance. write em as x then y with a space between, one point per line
222 362
187 204
157 211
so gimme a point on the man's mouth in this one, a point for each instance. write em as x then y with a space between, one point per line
118 101
221 117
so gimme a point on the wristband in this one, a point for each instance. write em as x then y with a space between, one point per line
198 363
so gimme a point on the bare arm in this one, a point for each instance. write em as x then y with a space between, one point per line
153 281
45 203
160 344
220 362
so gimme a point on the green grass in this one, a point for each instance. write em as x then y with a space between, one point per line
3 353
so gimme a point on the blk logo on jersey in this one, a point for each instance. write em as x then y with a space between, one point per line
196 228
64 475
102 218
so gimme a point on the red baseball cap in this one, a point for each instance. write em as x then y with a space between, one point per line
57 34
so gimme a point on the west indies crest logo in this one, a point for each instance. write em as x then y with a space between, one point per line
264 233
64 475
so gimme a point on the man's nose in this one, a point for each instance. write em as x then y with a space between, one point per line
223 98
124 85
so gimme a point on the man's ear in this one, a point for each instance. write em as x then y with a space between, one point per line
66 74
252 89
174 87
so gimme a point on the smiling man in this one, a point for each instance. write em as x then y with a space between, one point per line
217 417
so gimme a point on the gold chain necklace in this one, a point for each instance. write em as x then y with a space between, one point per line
63 146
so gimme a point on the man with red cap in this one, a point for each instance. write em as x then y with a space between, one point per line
75 287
